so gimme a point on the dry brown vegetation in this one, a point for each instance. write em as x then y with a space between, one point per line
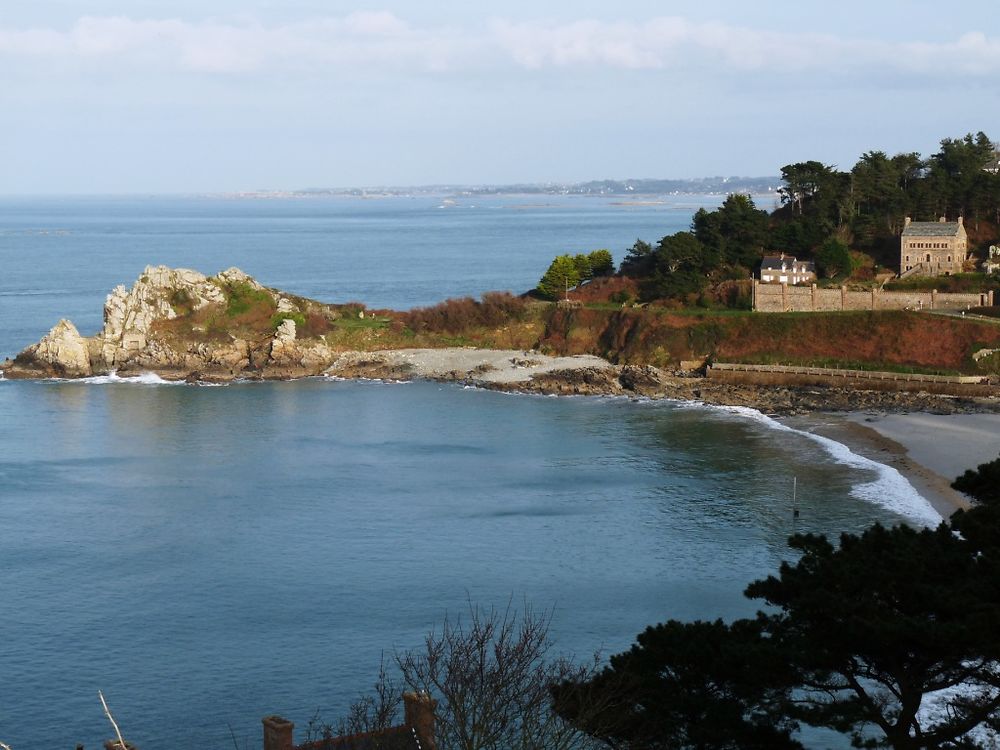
888 339
456 316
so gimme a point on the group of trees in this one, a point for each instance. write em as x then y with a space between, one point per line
825 211
868 203
892 638
722 244
568 271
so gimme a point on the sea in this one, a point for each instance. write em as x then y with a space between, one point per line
208 555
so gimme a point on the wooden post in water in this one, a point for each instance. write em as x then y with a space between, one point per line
795 499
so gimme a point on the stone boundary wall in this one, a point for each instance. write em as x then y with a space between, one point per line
862 380
785 298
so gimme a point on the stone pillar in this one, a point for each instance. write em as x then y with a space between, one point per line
933 299
813 294
843 297
784 296
753 296
990 297
277 733
418 714
874 299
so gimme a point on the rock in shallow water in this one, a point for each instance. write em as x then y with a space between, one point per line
61 353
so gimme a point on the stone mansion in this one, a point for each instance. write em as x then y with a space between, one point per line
932 248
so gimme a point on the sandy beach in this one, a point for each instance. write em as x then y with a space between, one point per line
930 450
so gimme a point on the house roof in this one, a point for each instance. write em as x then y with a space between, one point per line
931 229
773 263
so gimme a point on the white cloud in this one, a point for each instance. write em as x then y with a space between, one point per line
383 40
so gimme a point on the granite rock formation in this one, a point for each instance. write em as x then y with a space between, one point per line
182 324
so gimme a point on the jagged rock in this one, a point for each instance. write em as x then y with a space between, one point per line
285 305
643 380
286 331
235 276
135 336
291 358
130 314
61 353
587 381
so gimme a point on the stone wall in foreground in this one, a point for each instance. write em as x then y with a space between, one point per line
785 298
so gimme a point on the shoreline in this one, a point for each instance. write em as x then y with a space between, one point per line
930 450
929 439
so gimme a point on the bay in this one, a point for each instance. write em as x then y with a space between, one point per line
209 555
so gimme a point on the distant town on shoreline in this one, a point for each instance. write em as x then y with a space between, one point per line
718 185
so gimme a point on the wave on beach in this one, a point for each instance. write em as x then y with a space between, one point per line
143 378
890 490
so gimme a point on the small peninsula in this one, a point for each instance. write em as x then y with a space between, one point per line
185 326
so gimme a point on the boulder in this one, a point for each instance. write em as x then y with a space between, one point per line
61 353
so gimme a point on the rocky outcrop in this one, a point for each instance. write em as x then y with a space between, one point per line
182 324
291 357
129 315
61 353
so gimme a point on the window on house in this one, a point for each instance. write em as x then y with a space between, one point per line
928 257
949 259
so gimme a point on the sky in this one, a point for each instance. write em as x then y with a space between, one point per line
145 96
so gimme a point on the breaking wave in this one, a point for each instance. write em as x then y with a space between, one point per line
890 490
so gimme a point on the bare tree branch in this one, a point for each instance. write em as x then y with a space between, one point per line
107 712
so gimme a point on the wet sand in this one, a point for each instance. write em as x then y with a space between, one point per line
930 450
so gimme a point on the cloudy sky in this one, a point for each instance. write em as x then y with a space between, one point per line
135 96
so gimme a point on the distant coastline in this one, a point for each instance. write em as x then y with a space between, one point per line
629 188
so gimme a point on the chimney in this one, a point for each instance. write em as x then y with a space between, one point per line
277 733
906 222
418 714
942 219
961 221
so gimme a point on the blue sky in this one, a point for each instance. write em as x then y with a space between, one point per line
147 96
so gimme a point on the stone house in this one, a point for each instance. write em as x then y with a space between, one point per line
785 269
932 248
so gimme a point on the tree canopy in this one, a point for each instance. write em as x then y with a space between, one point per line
680 264
890 637
825 213
568 271
833 258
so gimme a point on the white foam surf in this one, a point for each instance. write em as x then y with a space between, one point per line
889 490
143 378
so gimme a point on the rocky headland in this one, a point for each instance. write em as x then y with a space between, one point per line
183 325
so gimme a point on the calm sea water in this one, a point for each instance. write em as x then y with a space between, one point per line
209 555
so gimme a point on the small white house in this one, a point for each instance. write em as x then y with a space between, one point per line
784 269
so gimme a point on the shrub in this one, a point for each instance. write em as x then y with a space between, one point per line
243 298
316 324
457 315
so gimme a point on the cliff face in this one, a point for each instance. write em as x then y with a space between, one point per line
878 340
182 324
